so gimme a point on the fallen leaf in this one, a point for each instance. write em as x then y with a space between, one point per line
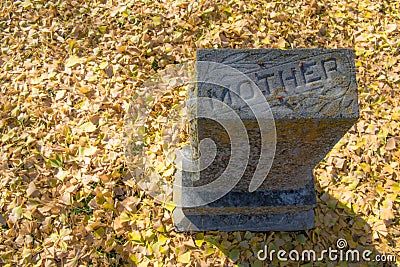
386 212
184 258
339 163
156 20
88 127
74 60
390 28
31 189
391 143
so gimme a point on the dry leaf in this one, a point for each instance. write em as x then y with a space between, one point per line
31 189
68 70
390 28
386 212
184 258
74 60
391 144
339 163
88 127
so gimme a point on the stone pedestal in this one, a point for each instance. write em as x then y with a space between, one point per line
312 95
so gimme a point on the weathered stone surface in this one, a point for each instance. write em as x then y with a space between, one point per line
304 83
313 97
287 221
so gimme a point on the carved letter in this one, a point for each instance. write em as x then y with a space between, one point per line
328 65
309 74
245 90
265 76
290 78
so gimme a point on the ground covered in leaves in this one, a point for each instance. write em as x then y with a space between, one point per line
67 70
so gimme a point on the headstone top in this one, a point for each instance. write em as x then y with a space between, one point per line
297 83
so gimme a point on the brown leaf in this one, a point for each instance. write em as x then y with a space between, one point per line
31 190
109 71
391 143
339 163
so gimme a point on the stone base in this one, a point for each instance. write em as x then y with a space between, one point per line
288 221
261 210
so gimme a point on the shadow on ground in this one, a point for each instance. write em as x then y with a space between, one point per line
344 235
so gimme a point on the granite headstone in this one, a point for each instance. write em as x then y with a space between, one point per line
312 94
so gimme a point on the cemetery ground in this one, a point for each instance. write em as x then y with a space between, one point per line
67 71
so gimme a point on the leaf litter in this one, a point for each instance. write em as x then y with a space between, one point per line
67 72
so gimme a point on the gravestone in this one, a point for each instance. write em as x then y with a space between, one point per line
312 95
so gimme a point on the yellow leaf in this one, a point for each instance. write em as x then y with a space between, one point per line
380 190
396 188
26 4
133 258
160 167
88 127
396 115
74 60
36 80
85 89
388 169
199 242
266 40
26 252
169 172
103 29
162 239
184 258
380 227
365 167
135 237
156 20
72 44
281 43
103 65
169 206
124 217
386 212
